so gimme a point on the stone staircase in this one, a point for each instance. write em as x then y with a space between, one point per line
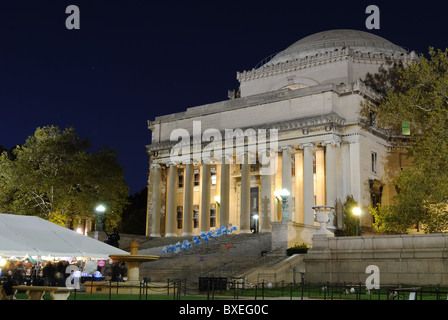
226 256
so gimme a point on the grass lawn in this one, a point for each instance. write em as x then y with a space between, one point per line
310 292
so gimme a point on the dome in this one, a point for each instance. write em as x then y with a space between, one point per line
336 39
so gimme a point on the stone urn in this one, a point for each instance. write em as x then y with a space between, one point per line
323 214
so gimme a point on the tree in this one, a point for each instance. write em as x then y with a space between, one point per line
134 215
419 102
53 176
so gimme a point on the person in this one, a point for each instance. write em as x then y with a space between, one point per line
60 273
49 273
124 270
7 286
18 274
116 272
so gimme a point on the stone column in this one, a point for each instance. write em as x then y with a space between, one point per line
355 169
188 199
319 181
245 195
308 184
225 192
171 216
156 204
265 203
299 187
287 181
266 198
331 179
205 197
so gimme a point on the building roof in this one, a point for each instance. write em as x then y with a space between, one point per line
334 40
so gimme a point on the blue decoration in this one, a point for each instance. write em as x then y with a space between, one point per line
210 235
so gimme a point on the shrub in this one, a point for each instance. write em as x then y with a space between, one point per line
297 249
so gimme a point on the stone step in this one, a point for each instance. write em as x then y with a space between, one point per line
224 256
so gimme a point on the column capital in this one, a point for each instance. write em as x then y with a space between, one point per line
307 145
188 161
208 160
250 157
172 163
286 148
225 158
265 151
332 142
155 165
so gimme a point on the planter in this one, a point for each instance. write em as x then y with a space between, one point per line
323 217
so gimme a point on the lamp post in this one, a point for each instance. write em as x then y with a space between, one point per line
99 209
357 213
255 216
282 195
218 200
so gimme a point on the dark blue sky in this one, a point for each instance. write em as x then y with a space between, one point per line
134 60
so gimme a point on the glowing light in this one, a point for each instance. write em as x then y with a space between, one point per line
356 211
280 194
100 208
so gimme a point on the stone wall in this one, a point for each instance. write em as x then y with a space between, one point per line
401 259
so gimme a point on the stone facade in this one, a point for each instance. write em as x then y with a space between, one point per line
310 96
401 259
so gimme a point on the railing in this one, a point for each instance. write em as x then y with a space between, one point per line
236 289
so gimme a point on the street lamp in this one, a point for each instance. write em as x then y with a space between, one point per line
255 216
357 213
282 195
218 200
100 209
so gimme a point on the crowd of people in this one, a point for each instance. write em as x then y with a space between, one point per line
55 273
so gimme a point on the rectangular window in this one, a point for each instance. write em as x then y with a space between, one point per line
180 211
196 177
196 216
374 162
213 216
213 174
180 175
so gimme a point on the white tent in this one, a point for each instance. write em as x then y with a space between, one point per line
22 236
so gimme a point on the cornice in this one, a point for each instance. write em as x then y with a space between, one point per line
319 59
308 125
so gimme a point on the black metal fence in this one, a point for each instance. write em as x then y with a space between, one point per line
210 288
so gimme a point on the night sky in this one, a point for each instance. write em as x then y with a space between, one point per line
131 61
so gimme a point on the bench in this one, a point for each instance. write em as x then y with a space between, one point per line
37 292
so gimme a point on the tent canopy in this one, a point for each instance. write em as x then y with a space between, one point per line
28 235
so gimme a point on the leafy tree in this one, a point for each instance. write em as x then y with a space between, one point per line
53 176
420 99
134 215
